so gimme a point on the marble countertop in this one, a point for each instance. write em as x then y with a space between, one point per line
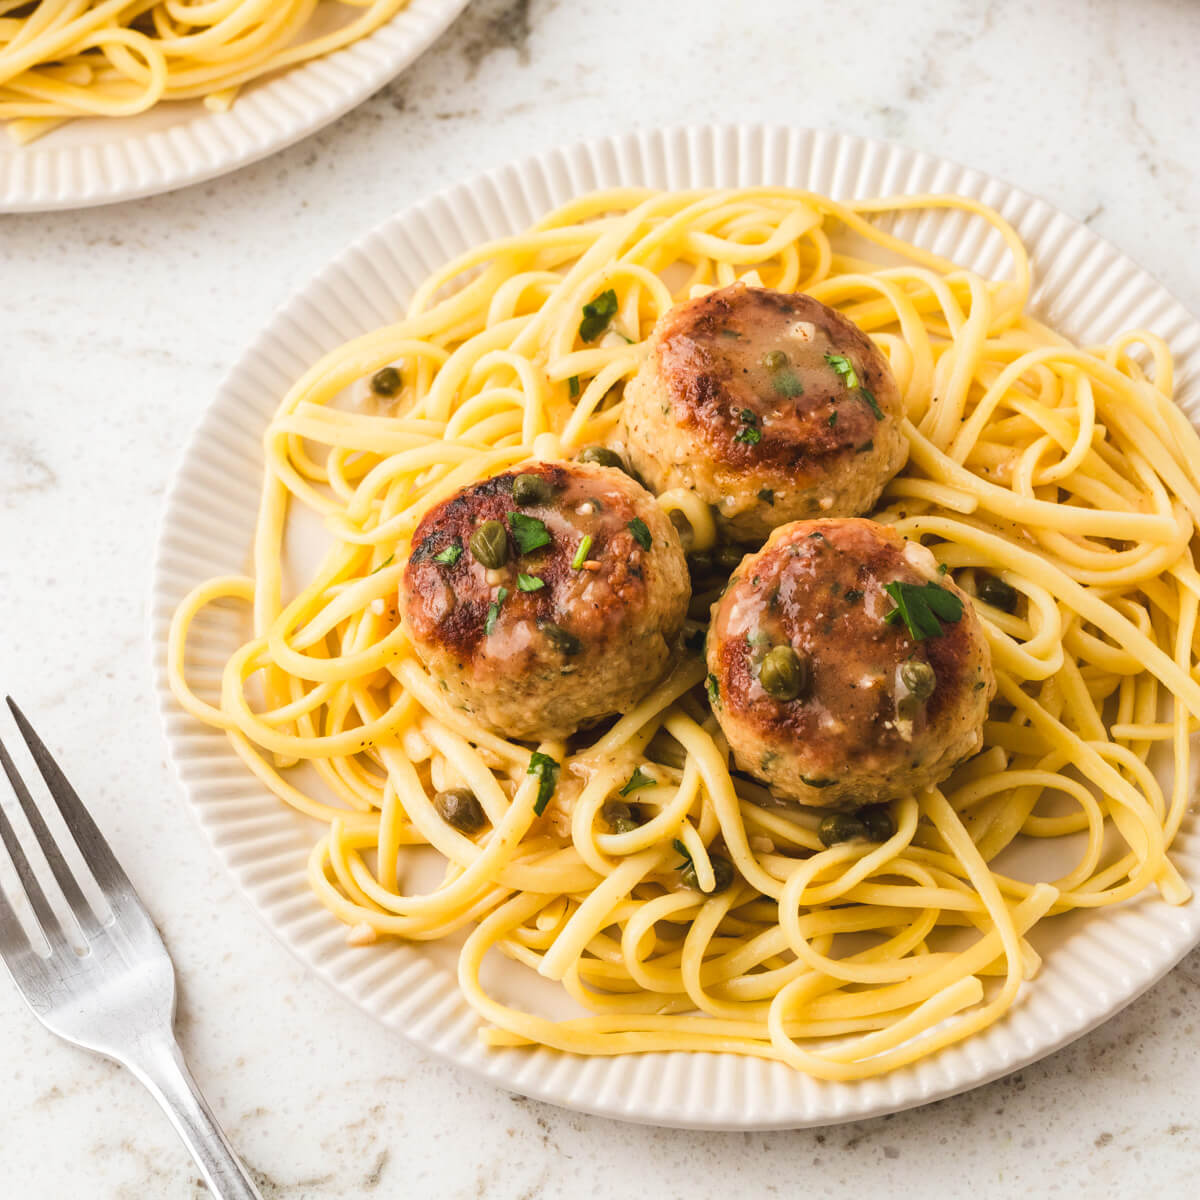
117 324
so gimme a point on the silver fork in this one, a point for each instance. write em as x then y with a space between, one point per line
117 998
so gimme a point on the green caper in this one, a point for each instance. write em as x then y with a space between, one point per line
561 639
783 673
386 381
919 678
727 557
531 489
774 360
621 817
458 807
489 544
997 593
601 456
841 827
877 819
722 874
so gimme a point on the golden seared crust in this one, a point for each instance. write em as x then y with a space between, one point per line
619 584
591 638
710 353
770 405
855 735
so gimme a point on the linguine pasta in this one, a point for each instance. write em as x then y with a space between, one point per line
61 59
1067 472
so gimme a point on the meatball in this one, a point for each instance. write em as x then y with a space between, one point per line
547 597
769 405
844 669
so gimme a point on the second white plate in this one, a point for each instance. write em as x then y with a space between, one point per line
102 160
1095 963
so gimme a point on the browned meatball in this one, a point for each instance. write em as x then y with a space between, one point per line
821 687
769 405
546 633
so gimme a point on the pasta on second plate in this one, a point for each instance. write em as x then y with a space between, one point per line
60 59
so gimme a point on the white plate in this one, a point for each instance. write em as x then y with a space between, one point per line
1095 962
99 161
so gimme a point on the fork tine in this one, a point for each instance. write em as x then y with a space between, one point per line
89 839
58 865
14 945
33 890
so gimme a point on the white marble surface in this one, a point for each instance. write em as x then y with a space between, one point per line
116 326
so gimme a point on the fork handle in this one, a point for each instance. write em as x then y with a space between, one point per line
164 1072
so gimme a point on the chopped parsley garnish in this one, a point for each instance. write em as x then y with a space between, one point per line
832 418
853 595
682 849
494 611
641 532
628 339
387 562
546 769
713 688
597 314
922 607
528 532
529 583
872 403
844 367
639 779
767 496
943 568
450 555
749 432
573 386
787 383
582 553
